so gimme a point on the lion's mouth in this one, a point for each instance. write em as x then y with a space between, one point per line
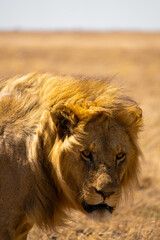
90 208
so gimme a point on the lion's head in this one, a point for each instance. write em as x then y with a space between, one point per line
96 154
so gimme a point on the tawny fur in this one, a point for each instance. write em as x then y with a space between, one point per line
45 122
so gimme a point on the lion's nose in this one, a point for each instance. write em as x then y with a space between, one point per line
104 194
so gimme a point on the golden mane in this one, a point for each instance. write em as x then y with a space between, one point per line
82 93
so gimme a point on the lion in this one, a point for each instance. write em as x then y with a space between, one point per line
65 143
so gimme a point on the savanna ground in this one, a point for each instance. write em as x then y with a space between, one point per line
133 61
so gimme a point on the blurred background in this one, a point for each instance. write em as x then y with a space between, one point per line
115 38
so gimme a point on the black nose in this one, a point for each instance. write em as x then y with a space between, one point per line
104 194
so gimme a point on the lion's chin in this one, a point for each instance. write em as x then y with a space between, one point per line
99 211
100 216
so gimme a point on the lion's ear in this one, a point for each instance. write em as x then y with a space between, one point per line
65 121
136 121
136 116
131 117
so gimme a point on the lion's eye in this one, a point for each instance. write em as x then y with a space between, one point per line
120 157
86 155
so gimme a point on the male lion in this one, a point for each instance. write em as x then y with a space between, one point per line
65 143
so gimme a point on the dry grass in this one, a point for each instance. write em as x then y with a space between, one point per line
134 60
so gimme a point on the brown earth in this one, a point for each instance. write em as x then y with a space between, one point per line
133 60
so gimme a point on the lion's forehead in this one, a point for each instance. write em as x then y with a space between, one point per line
106 136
